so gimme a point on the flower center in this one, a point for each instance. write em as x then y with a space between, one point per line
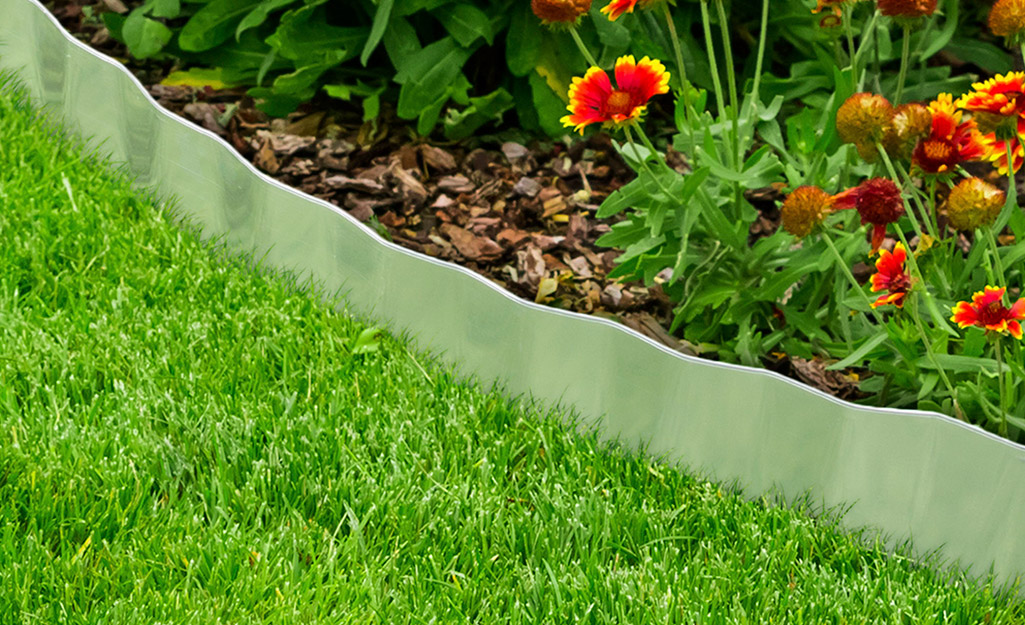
938 150
993 313
618 103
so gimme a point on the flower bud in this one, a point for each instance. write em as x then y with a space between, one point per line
910 123
1007 20
907 9
862 120
804 209
565 12
878 201
974 202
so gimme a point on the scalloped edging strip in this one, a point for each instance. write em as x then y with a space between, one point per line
908 473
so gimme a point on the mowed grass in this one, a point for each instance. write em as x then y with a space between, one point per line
184 440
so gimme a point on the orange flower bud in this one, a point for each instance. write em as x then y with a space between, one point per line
1007 20
910 123
804 209
560 11
862 120
973 203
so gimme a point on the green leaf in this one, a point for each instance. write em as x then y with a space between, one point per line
960 364
462 124
522 41
304 34
144 36
305 77
368 342
426 76
401 42
465 22
859 354
277 104
115 23
165 8
381 17
213 24
260 14
548 105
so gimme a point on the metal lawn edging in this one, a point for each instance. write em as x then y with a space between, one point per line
926 476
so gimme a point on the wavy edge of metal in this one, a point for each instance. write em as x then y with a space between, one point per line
950 487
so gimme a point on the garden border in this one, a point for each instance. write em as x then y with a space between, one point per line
908 473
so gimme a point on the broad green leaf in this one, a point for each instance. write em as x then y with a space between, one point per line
213 24
304 35
259 15
401 42
381 18
305 77
277 104
144 36
462 124
409 7
465 22
165 8
522 41
425 77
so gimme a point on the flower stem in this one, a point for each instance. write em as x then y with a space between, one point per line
997 344
684 84
908 209
582 47
850 276
644 161
932 356
997 263
648 144
868 34
731 76
680 67
848 18
905 54
761 52
720 99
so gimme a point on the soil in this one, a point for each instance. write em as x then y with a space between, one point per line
516 210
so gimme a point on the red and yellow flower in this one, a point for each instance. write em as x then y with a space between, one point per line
616 8
560 12
878 201
907 8
987 311
891 277
594 100
951 141
998 108
1007 20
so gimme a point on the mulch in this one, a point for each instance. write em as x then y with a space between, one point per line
519 212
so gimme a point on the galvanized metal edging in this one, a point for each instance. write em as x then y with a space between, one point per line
939 481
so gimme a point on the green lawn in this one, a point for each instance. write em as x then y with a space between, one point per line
184 440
